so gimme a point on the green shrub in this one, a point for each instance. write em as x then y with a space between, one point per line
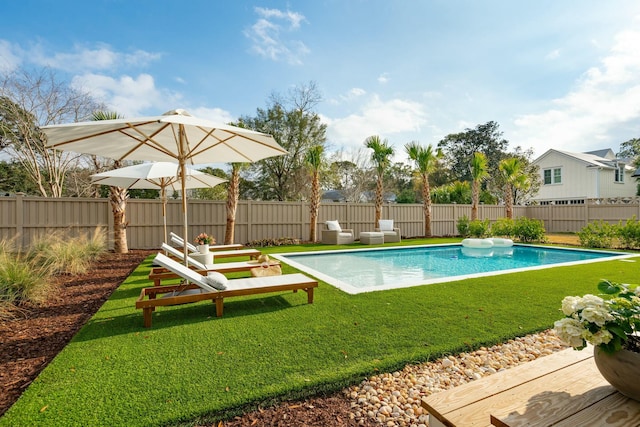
479 228
629 233
503 227
463 226
529 230
598 234
284 241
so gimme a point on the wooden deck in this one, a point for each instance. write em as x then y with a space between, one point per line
564 389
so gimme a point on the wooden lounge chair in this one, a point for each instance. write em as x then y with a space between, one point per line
251 253
158 274
214 248
198 289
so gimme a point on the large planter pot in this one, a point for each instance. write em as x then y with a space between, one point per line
621 369
203 249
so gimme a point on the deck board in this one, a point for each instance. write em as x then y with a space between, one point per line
564 389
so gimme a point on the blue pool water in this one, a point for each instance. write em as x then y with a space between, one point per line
364 270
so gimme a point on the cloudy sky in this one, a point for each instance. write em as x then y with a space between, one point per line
553 74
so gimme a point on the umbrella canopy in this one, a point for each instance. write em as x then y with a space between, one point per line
158 176
173 136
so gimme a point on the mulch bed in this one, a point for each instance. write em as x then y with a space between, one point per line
37 334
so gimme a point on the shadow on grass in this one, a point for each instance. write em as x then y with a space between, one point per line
167 317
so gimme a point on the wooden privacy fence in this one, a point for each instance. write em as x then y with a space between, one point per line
26 218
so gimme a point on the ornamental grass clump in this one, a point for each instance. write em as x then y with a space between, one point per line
28 276
610 322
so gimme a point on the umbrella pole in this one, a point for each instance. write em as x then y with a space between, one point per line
163 192
183 184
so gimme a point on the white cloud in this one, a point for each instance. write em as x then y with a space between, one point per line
79 59
217 115
268 35
383 78
10 56
592 114
129 96
294 18
376 117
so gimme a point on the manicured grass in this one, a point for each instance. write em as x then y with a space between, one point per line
192 366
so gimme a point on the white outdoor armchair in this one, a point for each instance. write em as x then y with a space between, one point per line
333 234
391 233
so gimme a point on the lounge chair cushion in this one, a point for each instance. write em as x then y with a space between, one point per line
217 280
386 224
333 225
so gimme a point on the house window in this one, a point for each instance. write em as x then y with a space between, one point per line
552 176
619 174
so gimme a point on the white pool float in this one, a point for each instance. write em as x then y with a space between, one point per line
477 252
501 243
477 243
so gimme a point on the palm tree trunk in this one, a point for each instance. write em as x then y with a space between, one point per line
233 193
426 205
378 201
314 205
475 198
118 201
508 201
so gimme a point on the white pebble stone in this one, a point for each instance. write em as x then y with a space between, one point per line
447 363
394 399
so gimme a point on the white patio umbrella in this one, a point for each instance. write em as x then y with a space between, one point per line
173 136
156 176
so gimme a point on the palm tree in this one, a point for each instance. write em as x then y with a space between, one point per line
426 161
478 174
233 194
512 170
117 197
313 159
381 158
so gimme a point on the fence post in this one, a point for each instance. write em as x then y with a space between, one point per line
249 232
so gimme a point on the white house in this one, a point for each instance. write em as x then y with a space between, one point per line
571 178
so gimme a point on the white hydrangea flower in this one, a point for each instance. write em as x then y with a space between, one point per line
596 314
569 305
570 331
589 301
601 337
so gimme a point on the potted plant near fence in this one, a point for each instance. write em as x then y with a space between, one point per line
610 323
203 241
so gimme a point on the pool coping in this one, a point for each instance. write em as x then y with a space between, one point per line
352 290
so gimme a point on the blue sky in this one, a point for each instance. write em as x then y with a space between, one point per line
553 74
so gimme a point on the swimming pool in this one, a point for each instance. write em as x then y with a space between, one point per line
366 270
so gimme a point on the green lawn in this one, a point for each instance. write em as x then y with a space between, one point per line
193 367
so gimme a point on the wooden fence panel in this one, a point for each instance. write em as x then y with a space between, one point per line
30 217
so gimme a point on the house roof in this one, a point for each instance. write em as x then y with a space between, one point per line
606 153
594 160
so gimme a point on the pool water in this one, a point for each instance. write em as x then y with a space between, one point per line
365 270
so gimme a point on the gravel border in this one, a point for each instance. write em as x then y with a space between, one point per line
394 399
